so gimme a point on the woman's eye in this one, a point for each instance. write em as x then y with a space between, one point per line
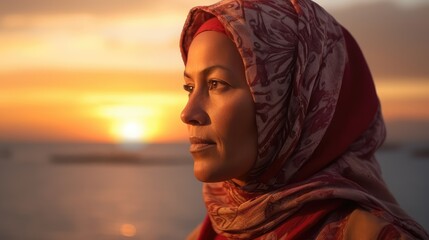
213 84
188 88
218 85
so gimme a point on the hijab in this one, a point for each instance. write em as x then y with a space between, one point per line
318 119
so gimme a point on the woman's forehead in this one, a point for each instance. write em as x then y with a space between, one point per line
212 51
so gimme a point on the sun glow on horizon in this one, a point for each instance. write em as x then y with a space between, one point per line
132 124
131 132
139 118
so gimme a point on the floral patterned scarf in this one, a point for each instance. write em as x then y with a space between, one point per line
318 120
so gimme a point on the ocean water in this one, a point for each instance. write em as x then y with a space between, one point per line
405 170
44 200
155 197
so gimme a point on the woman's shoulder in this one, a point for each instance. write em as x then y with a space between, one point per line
358 224
362 224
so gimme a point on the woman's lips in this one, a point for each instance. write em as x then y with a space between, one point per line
200 144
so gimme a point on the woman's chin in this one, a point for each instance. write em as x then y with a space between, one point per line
205 175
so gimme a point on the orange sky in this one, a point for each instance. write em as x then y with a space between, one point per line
91 106
76 76
110 75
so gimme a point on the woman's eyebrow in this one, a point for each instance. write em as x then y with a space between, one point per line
208 70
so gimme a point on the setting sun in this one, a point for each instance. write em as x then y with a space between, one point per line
131 122
131 132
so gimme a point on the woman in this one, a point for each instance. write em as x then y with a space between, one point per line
284 120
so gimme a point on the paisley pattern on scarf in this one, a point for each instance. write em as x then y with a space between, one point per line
318 119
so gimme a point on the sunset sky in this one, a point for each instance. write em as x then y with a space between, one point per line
110 71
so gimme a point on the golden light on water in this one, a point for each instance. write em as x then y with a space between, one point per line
128 230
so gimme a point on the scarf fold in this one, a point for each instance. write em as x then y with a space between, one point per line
318 119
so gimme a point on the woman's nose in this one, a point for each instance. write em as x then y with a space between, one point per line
194 112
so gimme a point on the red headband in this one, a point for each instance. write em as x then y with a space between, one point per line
213 24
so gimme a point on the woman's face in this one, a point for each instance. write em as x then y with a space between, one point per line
220 112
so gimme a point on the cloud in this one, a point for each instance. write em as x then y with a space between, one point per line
130 6
86 41
133 34
145 34
92 6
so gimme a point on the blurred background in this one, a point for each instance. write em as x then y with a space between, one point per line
91 144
